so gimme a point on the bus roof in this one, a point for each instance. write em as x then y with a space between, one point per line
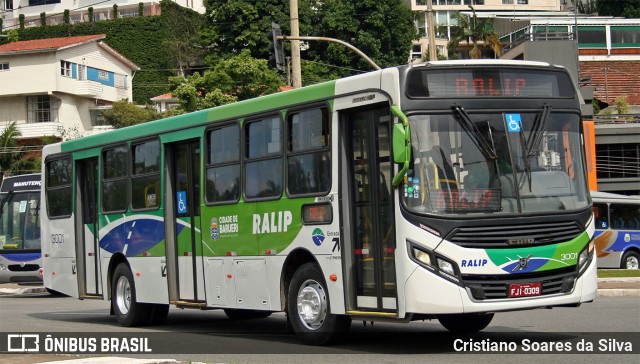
613 197
231 111
487 62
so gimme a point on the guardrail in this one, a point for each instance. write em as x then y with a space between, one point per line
538 36
617 119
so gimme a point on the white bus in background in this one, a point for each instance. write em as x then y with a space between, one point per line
20 257
617 235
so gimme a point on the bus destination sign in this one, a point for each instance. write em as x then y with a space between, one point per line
487 82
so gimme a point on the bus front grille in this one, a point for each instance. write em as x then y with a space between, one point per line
497 287
514 235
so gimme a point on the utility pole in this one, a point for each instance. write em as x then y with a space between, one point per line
431 32
296 73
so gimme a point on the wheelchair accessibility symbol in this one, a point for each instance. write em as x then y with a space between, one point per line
182 202
514 122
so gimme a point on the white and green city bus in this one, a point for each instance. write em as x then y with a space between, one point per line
447 190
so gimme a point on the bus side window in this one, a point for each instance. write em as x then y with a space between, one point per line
618 217
600 215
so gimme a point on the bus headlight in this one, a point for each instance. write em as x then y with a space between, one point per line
434 263
422 256
585 257
445 266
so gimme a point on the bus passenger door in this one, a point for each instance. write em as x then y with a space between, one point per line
87 248
367 203
184 248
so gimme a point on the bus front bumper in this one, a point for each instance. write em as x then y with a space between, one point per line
428 293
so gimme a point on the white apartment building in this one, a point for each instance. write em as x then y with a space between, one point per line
57 86
10 10
444 22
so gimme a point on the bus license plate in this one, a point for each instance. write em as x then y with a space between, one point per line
525 289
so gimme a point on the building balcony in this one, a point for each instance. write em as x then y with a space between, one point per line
89 88
37 130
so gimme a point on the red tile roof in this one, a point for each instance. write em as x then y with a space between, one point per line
47 44
613 79
163 96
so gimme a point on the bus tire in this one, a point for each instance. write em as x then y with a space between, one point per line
308 308
630 260
129 312
159 313
242 314
465 322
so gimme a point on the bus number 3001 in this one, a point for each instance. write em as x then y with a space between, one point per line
57 238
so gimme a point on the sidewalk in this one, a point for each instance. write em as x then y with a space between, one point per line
628 286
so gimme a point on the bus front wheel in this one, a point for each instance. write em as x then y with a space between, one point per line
129 312
631 260
308 308
465 323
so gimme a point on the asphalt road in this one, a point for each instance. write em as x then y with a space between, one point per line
208 336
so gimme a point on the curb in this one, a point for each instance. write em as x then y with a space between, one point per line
619 292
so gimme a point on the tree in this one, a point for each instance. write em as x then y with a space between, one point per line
476 29
622 105
627 8
182 42
124 113
382 29
13 35
8 143
234 25
237 78
66 17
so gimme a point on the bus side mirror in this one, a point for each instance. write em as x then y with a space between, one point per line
401 145
399 148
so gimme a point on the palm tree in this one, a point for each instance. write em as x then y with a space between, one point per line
9 153
474 29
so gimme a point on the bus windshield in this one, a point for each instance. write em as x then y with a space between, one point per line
20 229
495 163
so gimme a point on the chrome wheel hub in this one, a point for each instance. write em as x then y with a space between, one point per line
123 295
312 304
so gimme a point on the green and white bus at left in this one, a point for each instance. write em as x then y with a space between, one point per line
447 190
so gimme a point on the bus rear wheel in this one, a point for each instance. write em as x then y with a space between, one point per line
466 322
128 311
631 260
308 308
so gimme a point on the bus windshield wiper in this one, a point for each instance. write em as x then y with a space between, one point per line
537 128
472 130
525 158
